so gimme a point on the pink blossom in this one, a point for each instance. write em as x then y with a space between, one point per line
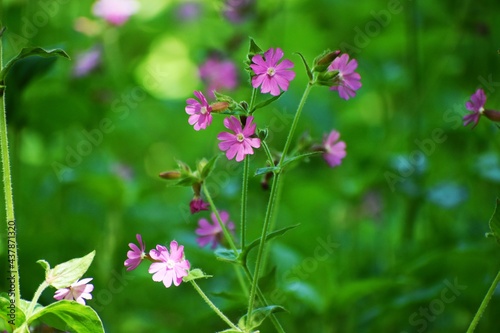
476 106
170 267
200 113
212 233
116 12
240 143
197 204
78 291
87 62
269 75
334 150
348 79
219 74
136 254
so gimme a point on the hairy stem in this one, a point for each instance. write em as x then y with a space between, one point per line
484 304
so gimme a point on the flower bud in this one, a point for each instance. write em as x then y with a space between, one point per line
492 115
219 106
170 175
323 61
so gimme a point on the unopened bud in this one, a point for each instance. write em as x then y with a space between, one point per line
170 175
492 115
323 61
219 106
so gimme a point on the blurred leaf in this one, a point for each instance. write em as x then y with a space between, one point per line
5 310
195 274
69 316
258 316
267 282
299 157
495 222
63 275
228 255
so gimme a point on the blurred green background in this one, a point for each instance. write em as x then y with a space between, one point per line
407 210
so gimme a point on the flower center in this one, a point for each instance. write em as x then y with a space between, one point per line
481 110
170 264
203 110
240 137
271 71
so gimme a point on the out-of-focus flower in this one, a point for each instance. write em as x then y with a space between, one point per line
136 254
212 233
115 12
334 150
269 75
170 267
237 10
476 106
87 61
219 74
240 143
188 11
78 291
348 79
197 204
200 113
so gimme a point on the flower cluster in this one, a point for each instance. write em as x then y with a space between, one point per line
167 266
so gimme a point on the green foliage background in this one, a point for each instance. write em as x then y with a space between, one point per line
408 208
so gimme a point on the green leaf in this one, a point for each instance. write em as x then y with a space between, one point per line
266 102
269 236
495 222
299 157
207 169
5 307
195 274
44 264
258 316
230 330
261 171
308 70
253 49
63 275
228 255
69 316
31 51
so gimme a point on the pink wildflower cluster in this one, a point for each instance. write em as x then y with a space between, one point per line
167 267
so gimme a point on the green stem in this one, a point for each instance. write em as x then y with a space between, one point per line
14 294
225 231
214 307
272 199
244 200
268 153
252 100
484 304
34 301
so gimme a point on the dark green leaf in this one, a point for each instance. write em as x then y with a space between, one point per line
69 316
266 102
308 70
495 222
207 169
270 236
258 316
228 255
253 49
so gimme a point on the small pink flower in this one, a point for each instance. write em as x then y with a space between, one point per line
348 79
116 12
334 150
476 105
87 61
78 291
240 143
269 75
171 267
197 204
212 233
200 113
219 74
135 255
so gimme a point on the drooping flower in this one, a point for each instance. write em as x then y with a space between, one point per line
476 106
197 204
219 74
136 254
87 61
269 75
240 143
212 233
170 267
348 79
200 113
78 291
334 150
116 12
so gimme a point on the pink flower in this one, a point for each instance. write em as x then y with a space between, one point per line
197 204
270 75
135 255
348 79
240 143
212 233
171 267
334 150
116 12
200 113
87 62
476 105
78 291
219 74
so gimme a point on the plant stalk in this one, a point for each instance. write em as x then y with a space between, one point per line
484 304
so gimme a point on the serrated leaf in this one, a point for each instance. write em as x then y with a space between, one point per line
69 316
258 316
308 70
195 274
63 275
266 102
495 222
228 255
270 236
31 51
